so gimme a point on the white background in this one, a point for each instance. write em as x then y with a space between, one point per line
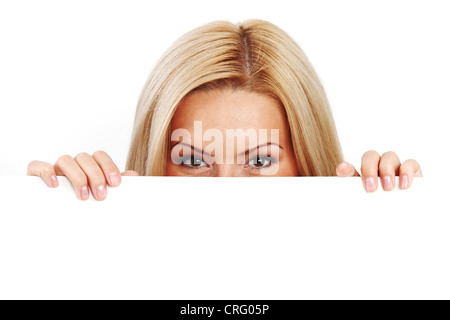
71 72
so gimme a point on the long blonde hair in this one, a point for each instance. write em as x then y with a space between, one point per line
253 55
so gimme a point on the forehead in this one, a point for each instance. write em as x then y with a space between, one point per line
229 109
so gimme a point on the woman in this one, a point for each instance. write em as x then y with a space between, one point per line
250 79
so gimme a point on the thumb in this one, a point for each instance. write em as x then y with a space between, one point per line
129 173
345 169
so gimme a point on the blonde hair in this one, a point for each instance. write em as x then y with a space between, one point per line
253 55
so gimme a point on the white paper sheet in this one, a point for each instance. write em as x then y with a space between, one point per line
223 238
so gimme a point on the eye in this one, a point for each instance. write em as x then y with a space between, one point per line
193 162
260 162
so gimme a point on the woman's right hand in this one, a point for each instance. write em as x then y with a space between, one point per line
83 171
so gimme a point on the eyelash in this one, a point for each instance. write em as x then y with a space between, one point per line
193 158
268 158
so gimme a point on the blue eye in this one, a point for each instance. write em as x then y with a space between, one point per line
261 162
193 162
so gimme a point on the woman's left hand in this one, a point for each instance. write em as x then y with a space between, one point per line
386 166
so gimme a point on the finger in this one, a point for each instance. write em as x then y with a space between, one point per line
388 169
94 173
109 168
408 170
67 166
369 170
44 170
130 173
345 169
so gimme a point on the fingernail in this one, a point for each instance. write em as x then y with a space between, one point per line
387 182
370 184
342 166
84 193
101 192
54 181
114 178
404 182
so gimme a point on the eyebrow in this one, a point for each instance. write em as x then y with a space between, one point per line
187 145
261 145
246 152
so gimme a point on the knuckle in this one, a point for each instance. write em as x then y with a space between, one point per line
370 153
389 154
82 155
32 163
409 165
47 169
131 173
64 159
99 153
30 168
410 161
